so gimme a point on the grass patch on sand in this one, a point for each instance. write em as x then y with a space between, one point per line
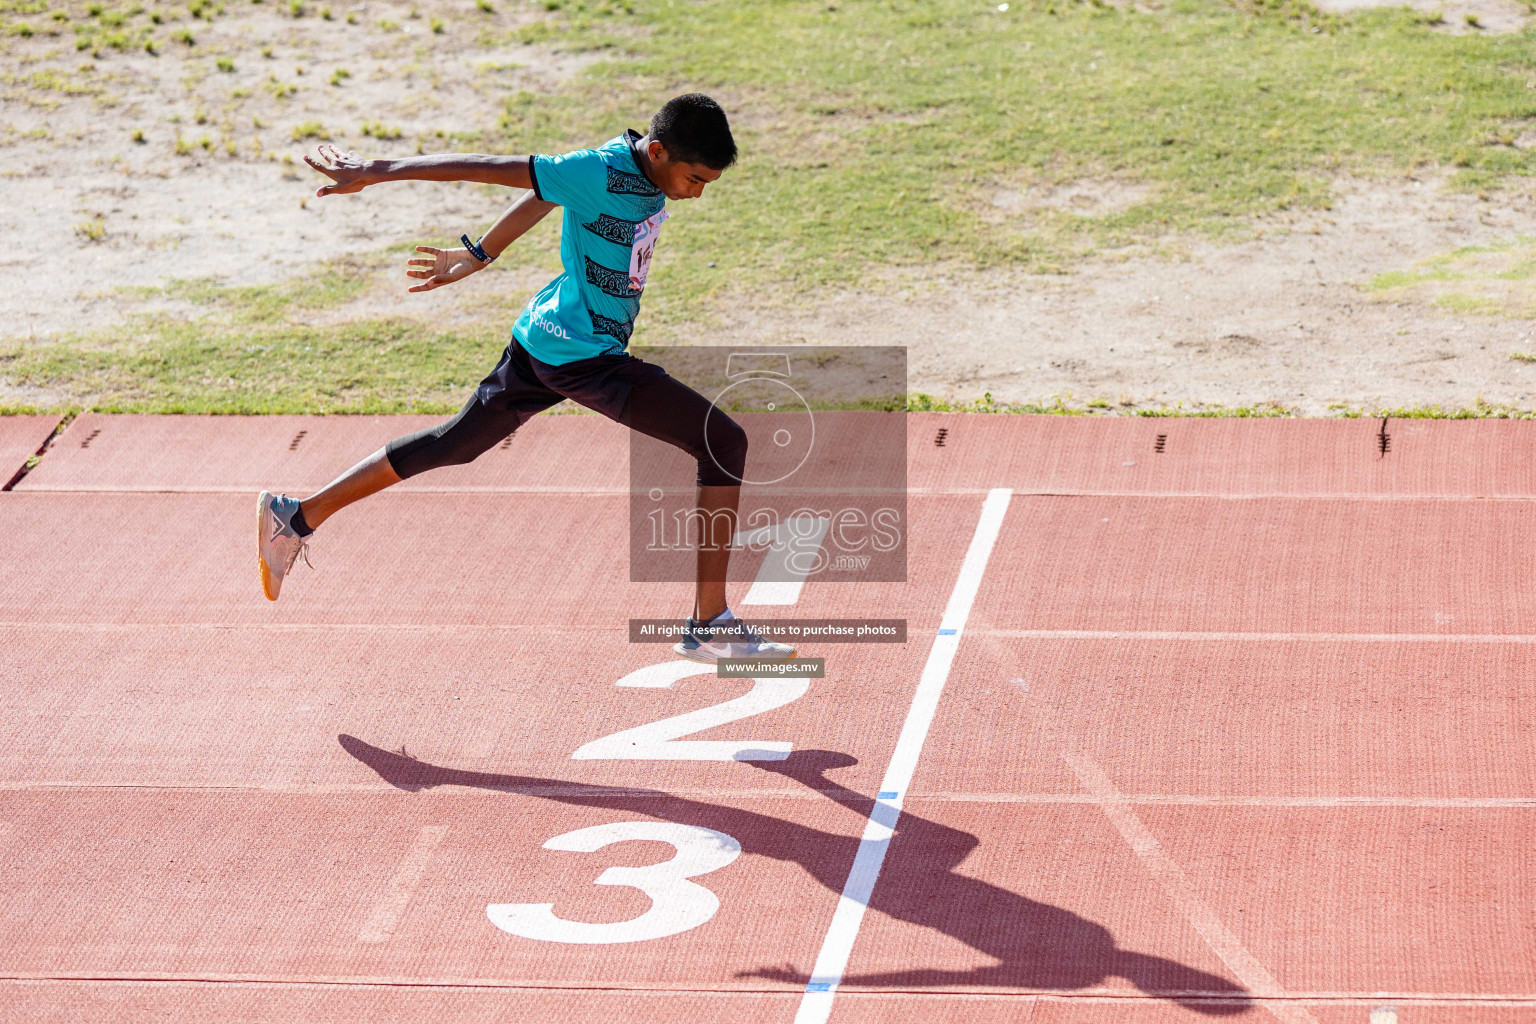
1478 410
1494 280
277 304
261 349
366 366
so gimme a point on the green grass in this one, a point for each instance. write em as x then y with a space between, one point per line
1267 410
379 130
54 81
309 130
878 131
93 230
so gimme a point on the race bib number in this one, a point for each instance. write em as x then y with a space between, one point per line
645 244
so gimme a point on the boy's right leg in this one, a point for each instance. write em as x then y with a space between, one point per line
475 429
370 476
285 523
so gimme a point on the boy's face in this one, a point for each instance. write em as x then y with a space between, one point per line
678 179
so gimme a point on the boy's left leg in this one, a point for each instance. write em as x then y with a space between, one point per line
718 503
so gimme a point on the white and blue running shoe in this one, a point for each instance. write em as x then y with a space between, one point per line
725 636
278 546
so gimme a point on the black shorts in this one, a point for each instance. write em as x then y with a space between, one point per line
640 395
525 386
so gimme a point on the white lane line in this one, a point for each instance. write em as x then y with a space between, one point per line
473 628
386 914
579 492
1084 997
1087 997
772 592
632 792
808 795
912 492
784 569
1198 800
832 960
1384 1015
1174 634
1243 964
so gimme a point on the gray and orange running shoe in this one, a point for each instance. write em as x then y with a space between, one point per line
726 636
277 545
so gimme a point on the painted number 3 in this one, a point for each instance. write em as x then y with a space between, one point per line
676 903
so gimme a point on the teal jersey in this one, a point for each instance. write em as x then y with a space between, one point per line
612 216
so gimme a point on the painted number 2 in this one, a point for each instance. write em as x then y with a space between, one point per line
676 903
659 741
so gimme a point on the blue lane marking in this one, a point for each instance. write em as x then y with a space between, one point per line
887 794
819 986
948 632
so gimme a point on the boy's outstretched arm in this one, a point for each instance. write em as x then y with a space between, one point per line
449 265
350 173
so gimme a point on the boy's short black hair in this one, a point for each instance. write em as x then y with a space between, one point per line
694 130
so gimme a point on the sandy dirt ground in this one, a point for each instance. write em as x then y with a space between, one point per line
1284 318
241 209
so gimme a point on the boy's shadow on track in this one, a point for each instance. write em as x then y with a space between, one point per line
1038 946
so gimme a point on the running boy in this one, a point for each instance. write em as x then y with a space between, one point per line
569 341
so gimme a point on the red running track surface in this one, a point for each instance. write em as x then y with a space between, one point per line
1243 730
1228 457
1031 454
302 453
20 438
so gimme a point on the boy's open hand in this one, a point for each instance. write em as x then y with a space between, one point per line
347 170
445 267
